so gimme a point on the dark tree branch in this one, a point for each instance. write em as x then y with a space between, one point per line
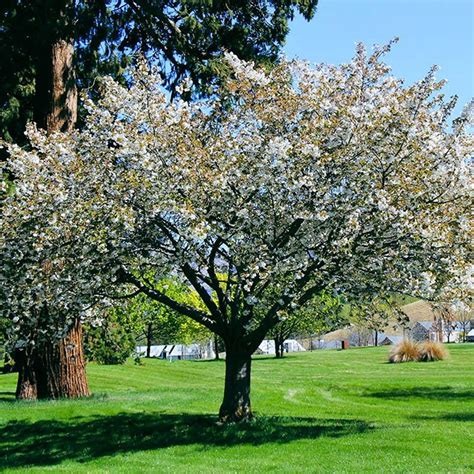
193 313
190 274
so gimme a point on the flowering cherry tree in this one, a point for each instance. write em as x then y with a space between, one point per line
326 178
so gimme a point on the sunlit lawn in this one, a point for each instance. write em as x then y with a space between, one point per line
325 411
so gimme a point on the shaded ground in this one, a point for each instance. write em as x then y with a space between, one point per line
50 442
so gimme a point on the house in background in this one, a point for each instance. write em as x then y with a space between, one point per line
440 331
425 331
387 340
427 324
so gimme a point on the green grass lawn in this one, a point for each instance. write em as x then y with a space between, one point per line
324 411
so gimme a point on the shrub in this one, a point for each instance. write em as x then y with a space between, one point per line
405 351
431 351
111 342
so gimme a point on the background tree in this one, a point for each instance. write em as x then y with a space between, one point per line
111 339
158 324
375 314
465 318
328 177
452 316
454 309
445 319
114 335
319 315
50 48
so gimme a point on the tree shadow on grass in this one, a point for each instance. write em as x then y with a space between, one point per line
430 393
49 442
466 417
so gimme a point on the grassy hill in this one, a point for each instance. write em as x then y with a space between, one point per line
325 411
415 309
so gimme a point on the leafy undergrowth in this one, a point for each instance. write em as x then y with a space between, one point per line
325 411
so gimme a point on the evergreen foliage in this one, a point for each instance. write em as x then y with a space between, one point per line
185 38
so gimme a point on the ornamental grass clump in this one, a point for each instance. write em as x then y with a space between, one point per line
431 351
405 351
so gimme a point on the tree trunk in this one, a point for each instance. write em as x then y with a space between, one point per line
279 347
236 404
26 388
149 335
55 103
63 111
376 339
61 367
216 346
64 364
278 353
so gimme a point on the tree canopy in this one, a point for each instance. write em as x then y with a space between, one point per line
326 178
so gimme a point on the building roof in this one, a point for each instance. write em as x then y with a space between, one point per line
390 339
425 324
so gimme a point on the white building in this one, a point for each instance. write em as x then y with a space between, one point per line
178 351
267 346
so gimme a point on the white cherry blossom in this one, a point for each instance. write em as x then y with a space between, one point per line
322 177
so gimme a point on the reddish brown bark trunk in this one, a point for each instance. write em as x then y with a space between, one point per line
56 89
55 109
61 367
63 110
64 365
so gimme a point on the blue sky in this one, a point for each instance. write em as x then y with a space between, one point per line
430 31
